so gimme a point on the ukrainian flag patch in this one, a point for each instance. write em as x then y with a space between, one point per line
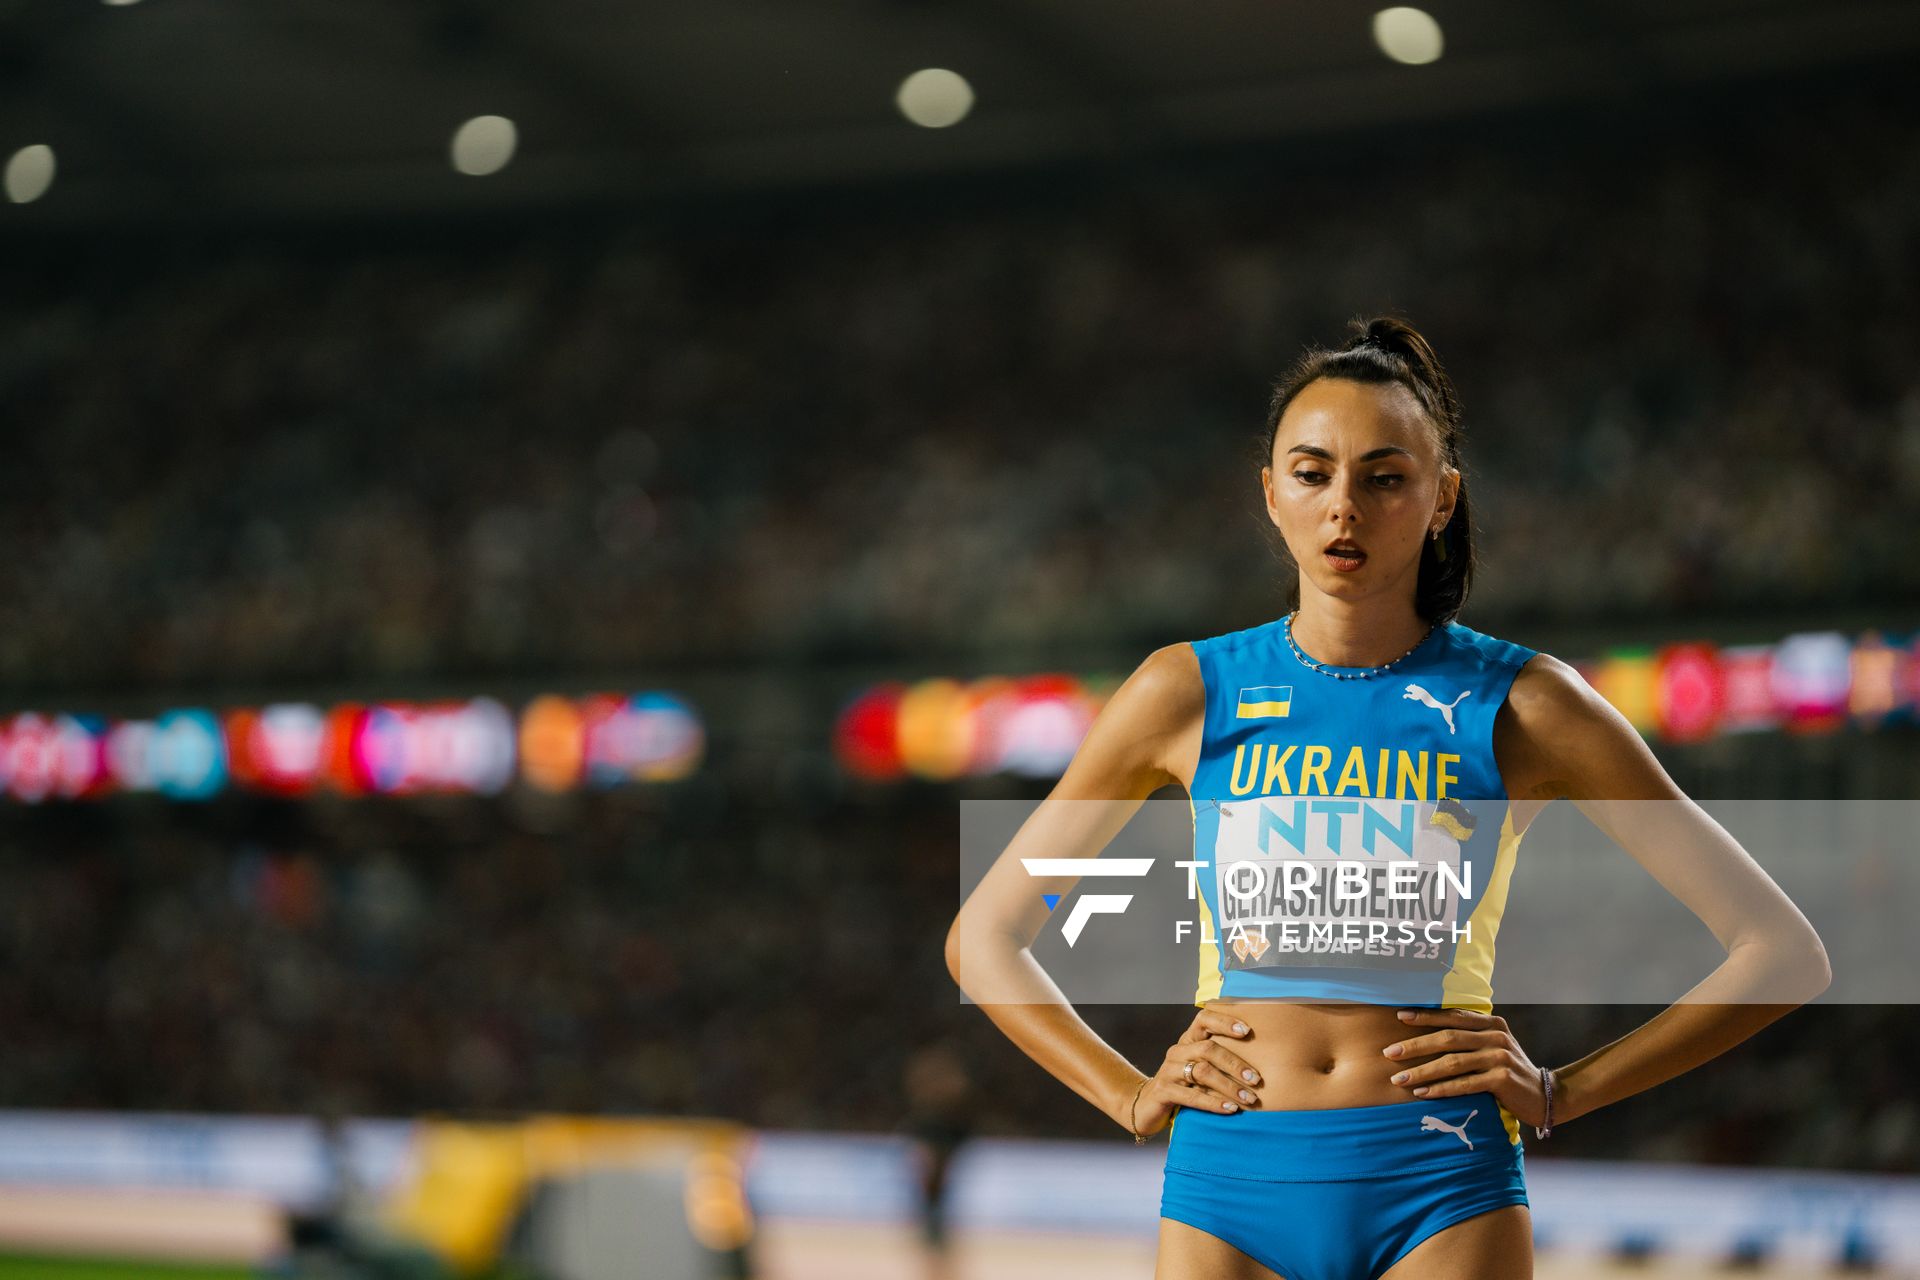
1264 701
1455 819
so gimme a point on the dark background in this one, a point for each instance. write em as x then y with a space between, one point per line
757 392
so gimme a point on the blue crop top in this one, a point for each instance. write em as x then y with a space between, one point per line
1357 830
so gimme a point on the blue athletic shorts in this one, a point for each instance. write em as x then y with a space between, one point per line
1342 1193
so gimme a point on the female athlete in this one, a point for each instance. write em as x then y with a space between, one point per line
1356 1113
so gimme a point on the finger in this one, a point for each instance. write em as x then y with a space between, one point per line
1215 1021
1441 1068
1197 1095
1478 1082
1234 1066
1438 1042
1209 1100
1219 1083
1449 1018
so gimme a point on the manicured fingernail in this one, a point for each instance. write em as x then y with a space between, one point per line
1392 1051
1406 1015
1422 1089
1241 1027
1401 1078
1245 1096
1229 1106
1249 1076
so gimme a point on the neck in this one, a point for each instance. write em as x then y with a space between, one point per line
1343 633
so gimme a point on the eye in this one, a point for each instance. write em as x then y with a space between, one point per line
1389 479
1311 477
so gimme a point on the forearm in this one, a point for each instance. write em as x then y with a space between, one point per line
1036 1016
1718 1013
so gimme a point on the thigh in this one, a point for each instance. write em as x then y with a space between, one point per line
1495 1245
1188 1253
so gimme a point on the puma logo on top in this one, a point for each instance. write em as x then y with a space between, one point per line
1434 1124
1417 694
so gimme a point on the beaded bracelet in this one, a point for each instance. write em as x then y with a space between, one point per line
1545 1129
1133 1122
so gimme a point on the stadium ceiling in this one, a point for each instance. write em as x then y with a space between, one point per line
177 109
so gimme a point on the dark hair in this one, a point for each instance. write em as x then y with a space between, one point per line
1388 349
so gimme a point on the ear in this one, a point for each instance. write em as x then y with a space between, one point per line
1266 487
1449 494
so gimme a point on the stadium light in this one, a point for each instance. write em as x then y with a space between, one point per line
29 173
934 98
484 145
1407 35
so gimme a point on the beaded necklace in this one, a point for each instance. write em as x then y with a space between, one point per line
1364 674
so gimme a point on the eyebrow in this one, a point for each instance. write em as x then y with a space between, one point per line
1385 450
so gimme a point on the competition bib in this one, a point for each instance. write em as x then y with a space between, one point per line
1303 881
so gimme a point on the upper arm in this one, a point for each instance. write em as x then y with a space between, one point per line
1562 738
1557 737
1145 737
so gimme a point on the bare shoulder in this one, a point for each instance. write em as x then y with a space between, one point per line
1557 736
1148 733
1169 680
1546 689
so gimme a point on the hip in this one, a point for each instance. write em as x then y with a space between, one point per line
1346 1143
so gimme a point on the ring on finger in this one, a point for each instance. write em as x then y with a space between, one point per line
1186 1072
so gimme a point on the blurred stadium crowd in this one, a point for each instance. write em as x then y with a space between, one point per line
915 430
970 427
644 953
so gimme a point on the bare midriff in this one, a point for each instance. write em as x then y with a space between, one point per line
1314 1056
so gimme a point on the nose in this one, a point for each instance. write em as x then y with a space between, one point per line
1343 501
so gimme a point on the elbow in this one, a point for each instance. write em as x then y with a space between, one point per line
1813 972
1794 971
974 936
953 948
964 927
1819 968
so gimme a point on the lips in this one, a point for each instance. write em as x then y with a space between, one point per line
1344 557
